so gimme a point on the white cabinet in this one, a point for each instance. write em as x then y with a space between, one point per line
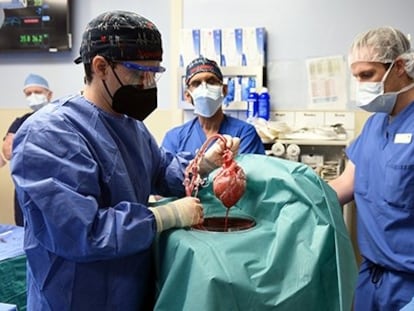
326 157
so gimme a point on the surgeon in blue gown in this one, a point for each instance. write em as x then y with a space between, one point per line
205 91
84 168
380 172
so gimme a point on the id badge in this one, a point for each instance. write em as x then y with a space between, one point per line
402 138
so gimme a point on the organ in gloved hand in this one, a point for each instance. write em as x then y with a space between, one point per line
230 181
215 156
229 184
180 213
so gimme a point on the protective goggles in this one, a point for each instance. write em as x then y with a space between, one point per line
140 70
143 76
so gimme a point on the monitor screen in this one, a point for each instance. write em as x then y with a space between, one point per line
35 25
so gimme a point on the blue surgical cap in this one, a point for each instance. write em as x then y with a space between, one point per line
35 80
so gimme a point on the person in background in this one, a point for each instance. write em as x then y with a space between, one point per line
84 169
37 92
205 91
379 175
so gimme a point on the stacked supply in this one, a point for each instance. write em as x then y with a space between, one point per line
263 104
252 104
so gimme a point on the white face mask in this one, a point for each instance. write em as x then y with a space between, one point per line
207 99
370 96
37 101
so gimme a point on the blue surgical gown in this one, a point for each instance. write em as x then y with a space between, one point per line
83 178
383 155
189 137
384 195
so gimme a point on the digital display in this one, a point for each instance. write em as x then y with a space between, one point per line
35 25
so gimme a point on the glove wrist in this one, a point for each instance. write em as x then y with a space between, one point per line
206 166
166 216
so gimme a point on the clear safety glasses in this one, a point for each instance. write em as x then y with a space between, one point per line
148 75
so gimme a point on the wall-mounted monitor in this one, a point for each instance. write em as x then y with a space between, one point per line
35 25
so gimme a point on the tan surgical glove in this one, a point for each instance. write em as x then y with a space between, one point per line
213 157
180 213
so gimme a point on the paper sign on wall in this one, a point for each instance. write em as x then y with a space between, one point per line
327 82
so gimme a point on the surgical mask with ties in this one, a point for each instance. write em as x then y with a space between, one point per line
370 96
37 101
207 99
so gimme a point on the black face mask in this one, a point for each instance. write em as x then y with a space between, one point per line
134 102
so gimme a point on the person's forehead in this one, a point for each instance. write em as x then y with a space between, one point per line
35 89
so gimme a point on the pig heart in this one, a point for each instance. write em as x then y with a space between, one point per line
229 184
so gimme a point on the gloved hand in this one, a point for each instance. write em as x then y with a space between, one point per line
184 212
213 157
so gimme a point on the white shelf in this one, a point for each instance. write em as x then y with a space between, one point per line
315 142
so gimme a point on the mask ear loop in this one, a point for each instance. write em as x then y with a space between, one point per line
106 86
387 72
404 89
116 76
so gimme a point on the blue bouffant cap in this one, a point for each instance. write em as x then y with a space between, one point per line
120 35
202 64
35 80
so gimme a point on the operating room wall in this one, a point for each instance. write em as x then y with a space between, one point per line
297 29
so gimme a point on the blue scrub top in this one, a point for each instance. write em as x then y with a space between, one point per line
383 155
83 178
189 137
